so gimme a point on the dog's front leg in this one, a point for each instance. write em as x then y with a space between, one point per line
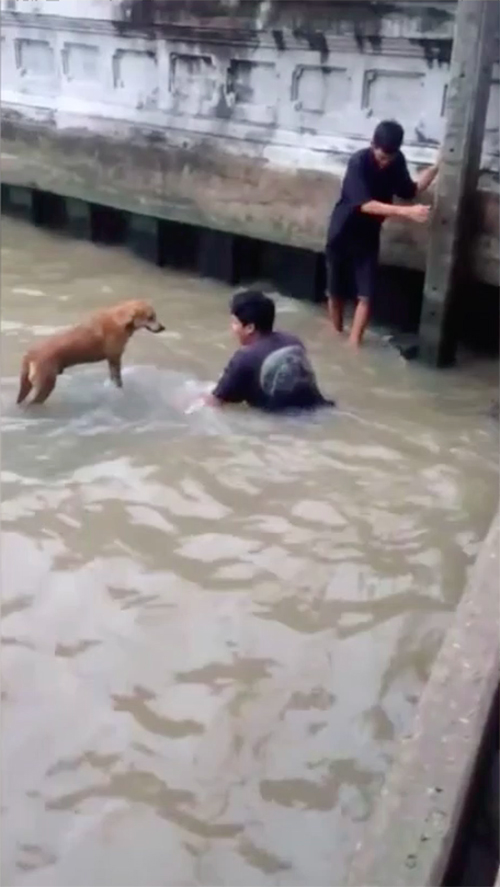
115 372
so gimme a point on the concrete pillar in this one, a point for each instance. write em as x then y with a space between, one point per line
248 253
78 218
143 237
216 256
179 245
18 201
295 272
109 225
448 262
49 210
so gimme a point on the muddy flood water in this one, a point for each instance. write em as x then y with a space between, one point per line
215 625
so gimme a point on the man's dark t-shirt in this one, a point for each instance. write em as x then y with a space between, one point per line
271 373
365 180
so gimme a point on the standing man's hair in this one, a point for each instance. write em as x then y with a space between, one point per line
388 136
253 307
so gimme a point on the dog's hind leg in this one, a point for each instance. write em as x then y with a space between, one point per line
44 387
25 383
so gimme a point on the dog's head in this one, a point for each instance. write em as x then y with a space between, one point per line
139 315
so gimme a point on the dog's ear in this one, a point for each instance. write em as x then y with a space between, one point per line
125 317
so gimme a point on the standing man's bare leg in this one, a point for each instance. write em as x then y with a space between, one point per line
359 322
336 313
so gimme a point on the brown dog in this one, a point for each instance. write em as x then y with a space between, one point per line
103 337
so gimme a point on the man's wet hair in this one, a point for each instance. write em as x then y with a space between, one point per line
254 307
388 136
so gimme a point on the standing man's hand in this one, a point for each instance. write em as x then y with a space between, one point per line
417 213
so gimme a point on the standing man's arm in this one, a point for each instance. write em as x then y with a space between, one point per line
426 177
407 189
417 212
357 192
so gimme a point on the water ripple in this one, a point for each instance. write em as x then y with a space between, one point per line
215 624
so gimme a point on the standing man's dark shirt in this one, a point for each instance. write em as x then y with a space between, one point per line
271 373
364 181
373 178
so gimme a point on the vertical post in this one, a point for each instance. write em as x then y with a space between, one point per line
475 39
216 255
79 218
143 237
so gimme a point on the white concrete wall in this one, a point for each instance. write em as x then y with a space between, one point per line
286 89
68 58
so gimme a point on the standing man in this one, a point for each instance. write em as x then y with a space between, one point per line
374 176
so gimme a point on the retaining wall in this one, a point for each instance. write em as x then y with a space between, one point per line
416 835
236 115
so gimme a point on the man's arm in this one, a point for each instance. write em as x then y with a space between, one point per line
357 191
426 178
232 385
210 400
407 189
415 213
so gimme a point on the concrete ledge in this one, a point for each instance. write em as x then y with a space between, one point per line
151 172
410 838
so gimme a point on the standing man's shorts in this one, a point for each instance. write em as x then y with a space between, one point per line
350 273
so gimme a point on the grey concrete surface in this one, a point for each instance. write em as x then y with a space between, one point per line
409 839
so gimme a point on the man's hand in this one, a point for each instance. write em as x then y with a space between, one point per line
209 400
417 213
200 401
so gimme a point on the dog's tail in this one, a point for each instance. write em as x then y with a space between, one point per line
25 382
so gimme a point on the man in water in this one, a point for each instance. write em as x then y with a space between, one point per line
374 176
271 370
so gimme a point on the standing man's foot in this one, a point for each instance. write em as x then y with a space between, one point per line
335 311
338 332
